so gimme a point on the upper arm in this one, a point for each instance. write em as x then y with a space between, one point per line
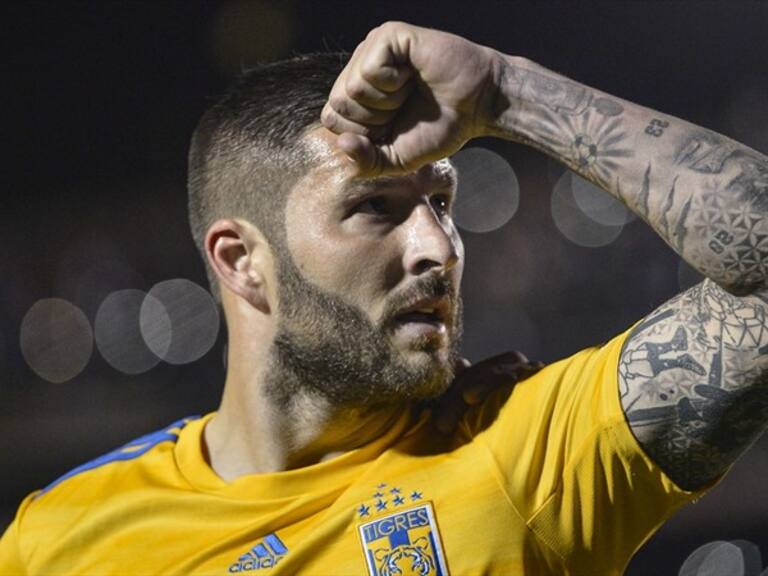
693 377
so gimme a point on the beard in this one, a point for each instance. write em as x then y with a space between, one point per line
329 349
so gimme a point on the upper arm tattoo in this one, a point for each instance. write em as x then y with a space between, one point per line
694 381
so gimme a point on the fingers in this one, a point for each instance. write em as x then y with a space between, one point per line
473 383
365 111
461 365
475 392
361 151
368 158
374 127
357 88
366 98
369 91
379 66
409 96
450 408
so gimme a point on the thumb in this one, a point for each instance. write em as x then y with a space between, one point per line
387 77
370 159
360 150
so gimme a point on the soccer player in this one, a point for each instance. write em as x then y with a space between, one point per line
333 252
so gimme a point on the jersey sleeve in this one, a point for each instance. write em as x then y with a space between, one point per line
567 461
11 562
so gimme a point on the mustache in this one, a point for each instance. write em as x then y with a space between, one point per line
434 286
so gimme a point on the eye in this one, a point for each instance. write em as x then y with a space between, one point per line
376 205
441 203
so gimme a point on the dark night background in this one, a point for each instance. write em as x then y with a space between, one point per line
99 100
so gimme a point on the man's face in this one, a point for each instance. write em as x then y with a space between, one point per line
364 256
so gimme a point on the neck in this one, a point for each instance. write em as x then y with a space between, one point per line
257 431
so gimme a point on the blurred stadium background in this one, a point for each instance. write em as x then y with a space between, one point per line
99 102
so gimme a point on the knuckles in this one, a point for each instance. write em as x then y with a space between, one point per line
328 118
355 88
339 105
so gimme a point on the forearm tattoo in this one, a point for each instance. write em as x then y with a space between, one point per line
706 195
728 215
710 203
566 120
694 381
656 127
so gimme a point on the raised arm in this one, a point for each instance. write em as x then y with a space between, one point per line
705 194
694 374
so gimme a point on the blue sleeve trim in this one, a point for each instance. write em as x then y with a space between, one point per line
133 449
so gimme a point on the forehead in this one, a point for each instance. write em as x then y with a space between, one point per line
332 172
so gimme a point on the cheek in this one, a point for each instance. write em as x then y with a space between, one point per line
356 270
360 271
357 265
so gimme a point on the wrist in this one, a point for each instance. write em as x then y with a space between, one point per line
505 87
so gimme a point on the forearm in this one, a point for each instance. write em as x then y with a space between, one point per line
705 194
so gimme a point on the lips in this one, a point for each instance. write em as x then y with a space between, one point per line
433 310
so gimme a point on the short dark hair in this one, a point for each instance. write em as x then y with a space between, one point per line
246 153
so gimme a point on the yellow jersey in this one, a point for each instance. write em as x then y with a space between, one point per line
543 478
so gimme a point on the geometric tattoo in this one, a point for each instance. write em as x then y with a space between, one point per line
694 381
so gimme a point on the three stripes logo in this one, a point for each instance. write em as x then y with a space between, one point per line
265 554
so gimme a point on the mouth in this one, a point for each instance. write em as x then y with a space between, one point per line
428 316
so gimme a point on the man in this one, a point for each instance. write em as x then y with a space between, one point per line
340 290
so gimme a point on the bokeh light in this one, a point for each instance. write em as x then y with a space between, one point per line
573 223
596 203
714 559
56 339
155 325
753 559
179 321
118 333
488 191
90 267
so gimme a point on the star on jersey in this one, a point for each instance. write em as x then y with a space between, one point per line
385 498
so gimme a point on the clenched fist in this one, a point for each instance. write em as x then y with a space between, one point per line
409 96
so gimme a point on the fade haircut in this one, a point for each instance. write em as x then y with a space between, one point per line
246 153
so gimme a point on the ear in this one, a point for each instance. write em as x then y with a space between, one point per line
240 256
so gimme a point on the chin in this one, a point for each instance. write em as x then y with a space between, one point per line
435 373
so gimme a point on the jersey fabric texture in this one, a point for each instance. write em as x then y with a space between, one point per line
543 478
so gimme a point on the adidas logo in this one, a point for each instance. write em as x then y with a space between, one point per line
265 554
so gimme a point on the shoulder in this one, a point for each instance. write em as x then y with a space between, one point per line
585 381
90 500
132 452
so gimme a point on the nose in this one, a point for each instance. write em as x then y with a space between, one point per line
431 242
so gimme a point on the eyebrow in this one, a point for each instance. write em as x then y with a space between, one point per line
357 188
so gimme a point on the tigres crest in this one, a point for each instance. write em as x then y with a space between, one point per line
404 543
